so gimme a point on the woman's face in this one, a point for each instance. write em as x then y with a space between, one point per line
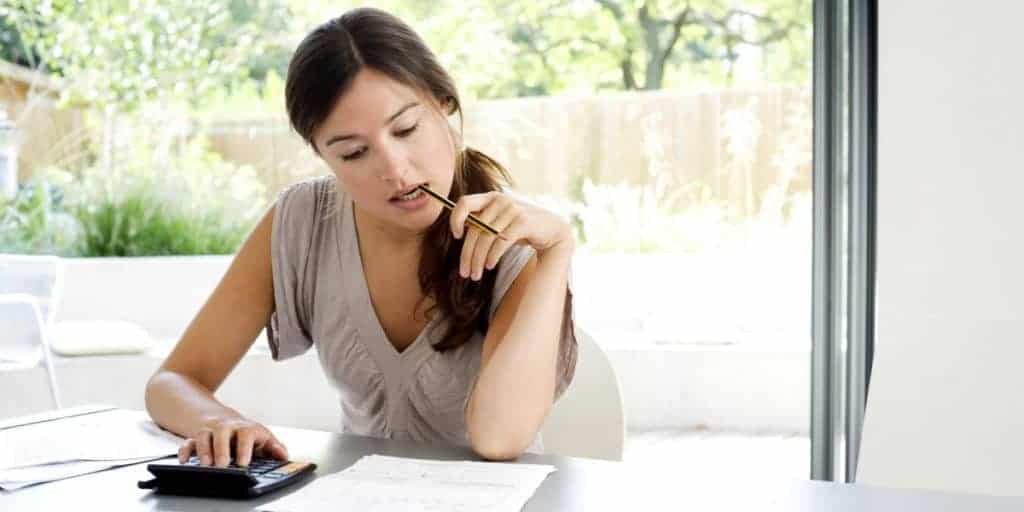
383 139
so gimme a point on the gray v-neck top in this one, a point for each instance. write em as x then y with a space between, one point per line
321 298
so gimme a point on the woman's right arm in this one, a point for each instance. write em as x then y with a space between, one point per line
179 396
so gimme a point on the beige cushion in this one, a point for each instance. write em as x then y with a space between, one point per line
95 337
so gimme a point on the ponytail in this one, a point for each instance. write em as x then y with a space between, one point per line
464 301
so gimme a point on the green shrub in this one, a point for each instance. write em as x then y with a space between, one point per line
36 222
194 202
155 201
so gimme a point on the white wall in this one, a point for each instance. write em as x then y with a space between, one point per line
945 408
161 294
264 390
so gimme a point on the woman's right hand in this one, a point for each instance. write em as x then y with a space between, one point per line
213 443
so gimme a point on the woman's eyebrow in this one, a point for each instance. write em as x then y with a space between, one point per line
339 138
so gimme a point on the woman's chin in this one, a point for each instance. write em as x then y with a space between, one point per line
418 220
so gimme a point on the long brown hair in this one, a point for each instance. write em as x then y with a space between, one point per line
322 70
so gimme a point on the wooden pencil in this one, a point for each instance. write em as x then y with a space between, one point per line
473 220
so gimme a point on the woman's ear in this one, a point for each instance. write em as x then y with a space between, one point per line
448 106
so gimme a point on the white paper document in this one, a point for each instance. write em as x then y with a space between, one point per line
378 483
63 447
14 479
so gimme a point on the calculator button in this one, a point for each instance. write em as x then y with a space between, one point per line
263 467
292 467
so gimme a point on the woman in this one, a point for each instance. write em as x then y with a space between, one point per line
430 329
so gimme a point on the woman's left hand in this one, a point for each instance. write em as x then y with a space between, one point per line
517 221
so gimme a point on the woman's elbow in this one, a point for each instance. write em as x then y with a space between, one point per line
498 447
157 389
152 389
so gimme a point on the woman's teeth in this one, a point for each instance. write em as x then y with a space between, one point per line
410 196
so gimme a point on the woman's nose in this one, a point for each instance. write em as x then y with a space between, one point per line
393 165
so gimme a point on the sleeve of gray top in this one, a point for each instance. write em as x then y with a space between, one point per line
291 239
512 263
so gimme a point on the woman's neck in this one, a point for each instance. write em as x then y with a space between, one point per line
382 238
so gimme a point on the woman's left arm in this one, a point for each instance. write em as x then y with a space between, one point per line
516 385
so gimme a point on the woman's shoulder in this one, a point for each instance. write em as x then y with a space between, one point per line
311 194
305 212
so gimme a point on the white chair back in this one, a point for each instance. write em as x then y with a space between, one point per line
589 419
21 340
29 290
39 276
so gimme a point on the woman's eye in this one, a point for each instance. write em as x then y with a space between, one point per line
358 153
408 131
353 155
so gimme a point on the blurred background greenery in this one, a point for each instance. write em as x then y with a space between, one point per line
153 87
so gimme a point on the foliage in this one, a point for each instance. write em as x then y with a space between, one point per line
165 199
126 53
12 48
554 46
162 200
499 49
35 221
244 96
134 195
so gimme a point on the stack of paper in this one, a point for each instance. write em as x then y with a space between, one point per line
378 483
45 451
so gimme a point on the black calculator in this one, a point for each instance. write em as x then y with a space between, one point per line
194 479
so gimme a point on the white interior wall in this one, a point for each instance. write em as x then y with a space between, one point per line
945 409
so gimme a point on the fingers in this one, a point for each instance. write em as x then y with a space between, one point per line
466 258
244 440
213 445
271 447
204 446
475 248
185 450
280 450
466 205
478 244
259 442
506 224
222 446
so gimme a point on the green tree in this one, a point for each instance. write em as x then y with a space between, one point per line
268 21
642 39
123 53
548 46
12 48
500 48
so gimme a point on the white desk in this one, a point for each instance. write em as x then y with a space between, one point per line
579 484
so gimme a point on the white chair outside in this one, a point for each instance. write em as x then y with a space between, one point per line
29 289
589 419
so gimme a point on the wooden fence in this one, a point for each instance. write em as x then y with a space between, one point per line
734 145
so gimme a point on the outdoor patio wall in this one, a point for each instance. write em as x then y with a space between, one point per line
719 388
